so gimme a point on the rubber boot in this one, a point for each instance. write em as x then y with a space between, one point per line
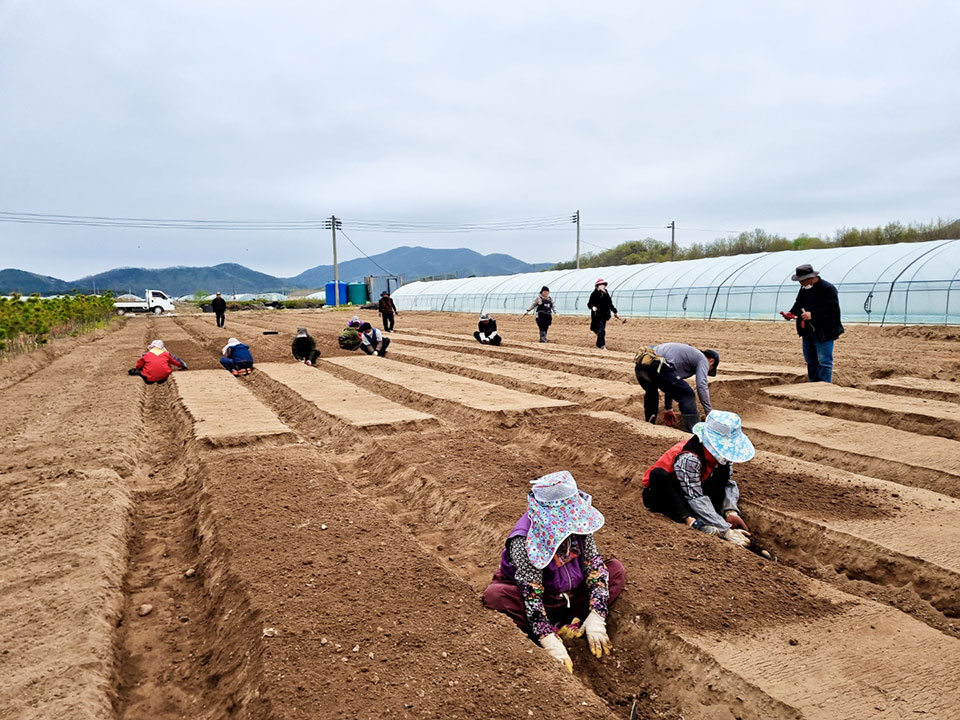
543 336
691 419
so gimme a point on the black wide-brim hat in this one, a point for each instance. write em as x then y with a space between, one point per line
804 272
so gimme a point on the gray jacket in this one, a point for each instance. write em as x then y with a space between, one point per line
687 361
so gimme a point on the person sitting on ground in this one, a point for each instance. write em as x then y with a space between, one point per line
236 357
666 367
552 574
372 341
156 364
304 347
349 339
387 309
693 481
487 331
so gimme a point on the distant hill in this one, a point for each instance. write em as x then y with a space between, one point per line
410 262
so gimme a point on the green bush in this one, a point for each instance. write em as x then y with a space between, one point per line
29 323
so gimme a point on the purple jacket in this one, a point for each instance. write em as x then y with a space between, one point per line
556 580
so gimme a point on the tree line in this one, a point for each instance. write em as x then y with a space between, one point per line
648 250
28 323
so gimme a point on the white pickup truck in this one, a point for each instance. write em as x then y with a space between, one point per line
155 301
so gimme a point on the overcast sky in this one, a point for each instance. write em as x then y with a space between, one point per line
790 116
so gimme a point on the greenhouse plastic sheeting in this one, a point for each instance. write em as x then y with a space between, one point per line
903 283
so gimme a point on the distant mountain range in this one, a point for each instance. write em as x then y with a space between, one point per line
410 262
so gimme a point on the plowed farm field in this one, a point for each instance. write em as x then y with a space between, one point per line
313 542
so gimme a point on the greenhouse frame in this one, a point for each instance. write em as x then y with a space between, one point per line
902 283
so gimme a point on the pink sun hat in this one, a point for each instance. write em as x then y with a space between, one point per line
600 281
557 509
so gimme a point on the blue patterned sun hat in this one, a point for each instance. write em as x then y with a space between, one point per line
723 436
557 509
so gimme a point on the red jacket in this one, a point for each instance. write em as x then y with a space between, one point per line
666 460
156 365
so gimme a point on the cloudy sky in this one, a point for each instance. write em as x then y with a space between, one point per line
790 116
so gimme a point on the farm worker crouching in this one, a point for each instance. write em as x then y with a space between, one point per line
486 333
387 309
156 364
665 368
543 304
817 312
552 574
372 341
304 347
236 357
601 307
693 481
349 339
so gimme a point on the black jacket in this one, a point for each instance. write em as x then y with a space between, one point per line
603 303
824 306
219 305
303 347
486 328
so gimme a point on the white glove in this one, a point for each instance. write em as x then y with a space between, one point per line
740 538
595 628
375 352
555 649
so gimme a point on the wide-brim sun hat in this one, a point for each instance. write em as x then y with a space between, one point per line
557 509
804 272
600 281
722 434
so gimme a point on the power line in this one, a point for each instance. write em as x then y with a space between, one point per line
363 253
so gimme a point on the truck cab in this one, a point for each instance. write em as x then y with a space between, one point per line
155 301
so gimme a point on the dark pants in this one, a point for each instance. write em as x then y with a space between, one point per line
312 357
221 319
664 495
600 328
134 371
543 322
387 322
231 364
495 340
381 351
819 357
503 595
673 386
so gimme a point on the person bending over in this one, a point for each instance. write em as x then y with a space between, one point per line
486 333
551 573
156 364
304 347
666 368
236 357
372 341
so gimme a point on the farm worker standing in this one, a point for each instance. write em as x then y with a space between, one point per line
304 347
665 368
817 312
552 574
545 311
236 357
693 481
486 333
387 310
601 307
372 341
156 364
219 306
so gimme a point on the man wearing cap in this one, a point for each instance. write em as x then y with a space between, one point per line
601 307
817 314
486 333
671 364
387 310
693 483
552 574
219 306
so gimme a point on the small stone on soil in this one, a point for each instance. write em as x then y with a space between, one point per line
793 641
190 572
144 610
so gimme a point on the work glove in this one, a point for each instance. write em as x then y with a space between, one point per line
670 418
788 315
740 538
555 649
733 517
571 630
375 352
596 629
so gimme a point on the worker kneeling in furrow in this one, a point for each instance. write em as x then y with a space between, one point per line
304 347
156 364
486 333
236 357
372 341
693 481
552 574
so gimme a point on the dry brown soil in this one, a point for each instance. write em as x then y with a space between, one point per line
313 543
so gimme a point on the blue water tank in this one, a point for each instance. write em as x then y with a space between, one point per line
332 294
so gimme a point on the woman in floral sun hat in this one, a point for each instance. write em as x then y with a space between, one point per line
693 481
551 573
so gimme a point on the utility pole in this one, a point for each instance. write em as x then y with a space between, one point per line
575 218
673 244
333 223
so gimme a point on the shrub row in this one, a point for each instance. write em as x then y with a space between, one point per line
26 323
